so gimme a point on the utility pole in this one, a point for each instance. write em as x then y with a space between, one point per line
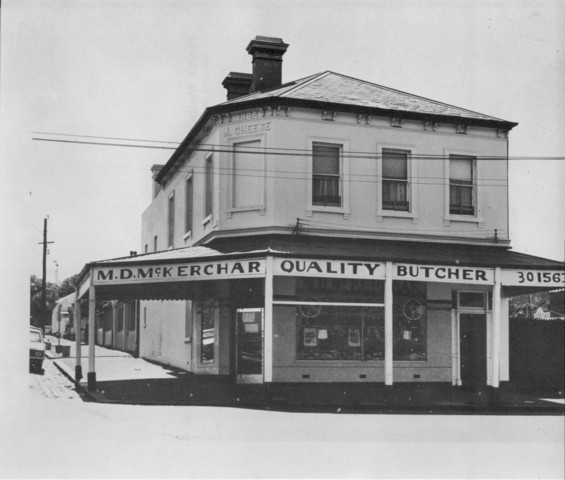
56 272
43 320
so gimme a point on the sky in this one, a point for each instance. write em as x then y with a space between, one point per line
146 70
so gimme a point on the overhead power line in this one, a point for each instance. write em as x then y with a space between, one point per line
104 138
262 150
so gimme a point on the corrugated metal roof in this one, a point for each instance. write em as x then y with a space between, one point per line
343 248
335 88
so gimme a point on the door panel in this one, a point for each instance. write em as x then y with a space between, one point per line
473 350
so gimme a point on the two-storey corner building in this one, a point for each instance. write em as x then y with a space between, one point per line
328 230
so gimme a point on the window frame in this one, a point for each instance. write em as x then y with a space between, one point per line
171 220
188 205
261 207
344 165
412 187
449 217
209 189
396 181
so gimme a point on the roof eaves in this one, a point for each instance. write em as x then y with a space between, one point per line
285 101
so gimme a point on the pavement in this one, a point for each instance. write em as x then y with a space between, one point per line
122 378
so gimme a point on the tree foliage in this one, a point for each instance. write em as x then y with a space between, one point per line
67 286
53 292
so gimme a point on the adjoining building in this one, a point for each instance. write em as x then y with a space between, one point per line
61 320
326 229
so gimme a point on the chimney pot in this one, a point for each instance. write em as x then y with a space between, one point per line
267 55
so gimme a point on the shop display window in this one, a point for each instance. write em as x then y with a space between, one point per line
409 320
328 332
337 319
207 332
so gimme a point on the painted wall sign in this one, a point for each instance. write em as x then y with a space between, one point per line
534 278
247 129
432 273
179 272
329 268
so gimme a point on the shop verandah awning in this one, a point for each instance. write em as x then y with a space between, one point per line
165 275
169 275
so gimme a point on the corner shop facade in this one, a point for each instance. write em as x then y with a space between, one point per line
279 315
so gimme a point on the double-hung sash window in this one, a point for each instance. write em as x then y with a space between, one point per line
395 180
209 187
461 185
171 221
188 207
326 174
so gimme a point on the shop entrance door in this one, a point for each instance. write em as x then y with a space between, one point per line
249 358
473 350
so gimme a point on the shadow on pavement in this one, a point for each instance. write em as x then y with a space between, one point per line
190 389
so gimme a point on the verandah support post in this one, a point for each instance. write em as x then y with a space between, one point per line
91 333
388 324
78 366
268 341
496 307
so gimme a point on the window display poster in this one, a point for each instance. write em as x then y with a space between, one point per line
248 317
323 333
354 337
310 337
251 327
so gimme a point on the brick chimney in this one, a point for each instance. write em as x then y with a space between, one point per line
237 84
267 55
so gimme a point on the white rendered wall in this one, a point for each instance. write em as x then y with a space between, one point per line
162 333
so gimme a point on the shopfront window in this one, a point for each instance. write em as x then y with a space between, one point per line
337 319
409 320
207 331
340 333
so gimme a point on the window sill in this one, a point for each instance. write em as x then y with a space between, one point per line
256 208
187 340
463 218
207 220
397 214
187 235
323 209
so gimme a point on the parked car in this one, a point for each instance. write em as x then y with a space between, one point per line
36 348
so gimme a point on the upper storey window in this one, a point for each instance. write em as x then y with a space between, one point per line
248 177
188 205
209 187
397 186
326 174
395 189
461 185
171 221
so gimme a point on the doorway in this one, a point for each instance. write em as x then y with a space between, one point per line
249 341
473 350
